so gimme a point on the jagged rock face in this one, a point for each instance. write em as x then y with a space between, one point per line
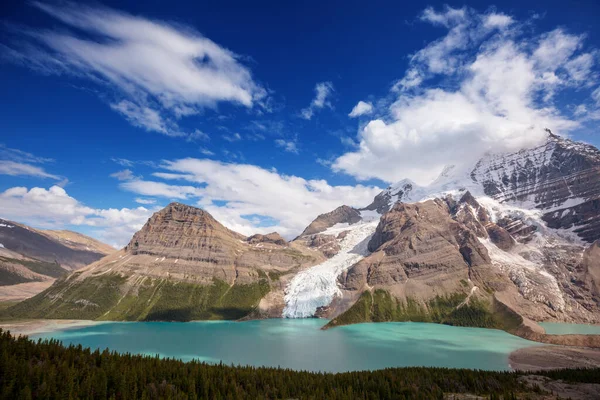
560 177
591 268
419 251
583 218
189 233
401 191
341 215
326 244
425 233
272 237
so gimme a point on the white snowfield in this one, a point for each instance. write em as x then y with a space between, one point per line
317 286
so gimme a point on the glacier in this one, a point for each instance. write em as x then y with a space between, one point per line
317 286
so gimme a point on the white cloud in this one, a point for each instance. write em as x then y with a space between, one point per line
150 188
290 201
323 91
54 208
198 135
16 162
291 146
162 71
494 20
145 201
361 108
20 169
123 175
497 92
235 137
206 152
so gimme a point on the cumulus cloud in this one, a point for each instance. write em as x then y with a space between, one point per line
361 108
16 162
161 71
250 199
54 208
495 89
323 91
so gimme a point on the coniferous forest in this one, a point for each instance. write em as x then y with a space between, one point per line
49 370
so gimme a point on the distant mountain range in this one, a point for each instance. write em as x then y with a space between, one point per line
512 240
31 259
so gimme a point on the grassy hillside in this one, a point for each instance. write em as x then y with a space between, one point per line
381 306
108 297
9 276
48 370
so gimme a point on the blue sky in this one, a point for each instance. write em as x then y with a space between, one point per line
269 113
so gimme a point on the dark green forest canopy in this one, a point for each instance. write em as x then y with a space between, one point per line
49 370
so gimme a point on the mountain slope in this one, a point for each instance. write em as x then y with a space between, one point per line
182 265
31 259
65 248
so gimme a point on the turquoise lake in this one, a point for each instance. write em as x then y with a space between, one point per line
553 328
302 345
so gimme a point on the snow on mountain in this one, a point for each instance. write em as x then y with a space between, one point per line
317 286
524 188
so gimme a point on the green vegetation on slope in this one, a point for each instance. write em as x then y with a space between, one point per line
381 306
8 277
104 297
48 370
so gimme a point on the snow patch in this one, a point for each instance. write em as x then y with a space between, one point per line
6 226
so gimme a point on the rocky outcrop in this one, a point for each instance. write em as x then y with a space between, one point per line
419 251
341 215
328 245
272 237
590 265
188 233
401 191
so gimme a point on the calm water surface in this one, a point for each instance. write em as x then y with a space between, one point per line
301 345
553 328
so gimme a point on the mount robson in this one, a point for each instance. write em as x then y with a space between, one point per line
509 242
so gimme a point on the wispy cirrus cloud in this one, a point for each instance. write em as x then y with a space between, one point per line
16 162
290 146
161 71
323 91
487 84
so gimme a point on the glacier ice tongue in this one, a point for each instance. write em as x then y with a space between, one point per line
317 286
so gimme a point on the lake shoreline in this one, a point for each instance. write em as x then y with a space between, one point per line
38 326
538 358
